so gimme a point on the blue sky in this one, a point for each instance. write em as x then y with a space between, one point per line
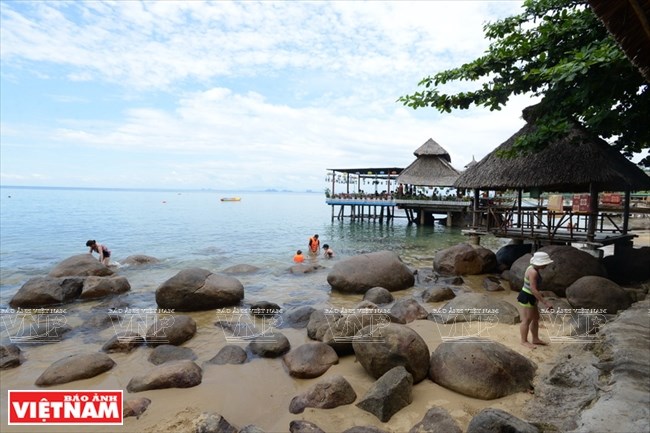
232 95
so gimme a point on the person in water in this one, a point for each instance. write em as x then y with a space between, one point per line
314 245
528 298
102 250
299 258
328 253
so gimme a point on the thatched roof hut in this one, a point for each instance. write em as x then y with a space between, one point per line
575 163
431 168
629 23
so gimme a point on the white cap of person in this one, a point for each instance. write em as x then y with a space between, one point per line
540 258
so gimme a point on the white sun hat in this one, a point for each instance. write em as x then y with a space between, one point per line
540 258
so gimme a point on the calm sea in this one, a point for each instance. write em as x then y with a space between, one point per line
41 227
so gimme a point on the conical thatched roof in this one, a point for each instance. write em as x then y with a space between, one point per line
471 164
431 148
431 168
569 164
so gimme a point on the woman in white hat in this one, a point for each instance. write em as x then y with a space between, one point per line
528 298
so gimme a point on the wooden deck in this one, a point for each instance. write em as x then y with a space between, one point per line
416 211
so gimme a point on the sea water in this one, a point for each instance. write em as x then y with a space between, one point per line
40 227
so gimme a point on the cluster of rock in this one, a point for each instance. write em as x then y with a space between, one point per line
392 353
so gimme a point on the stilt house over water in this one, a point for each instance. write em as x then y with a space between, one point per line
432 167
582 185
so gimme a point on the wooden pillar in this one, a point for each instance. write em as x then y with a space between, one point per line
475 213
593 212
519 201
333 181
333 206
347 184
626 211
422 217
450 219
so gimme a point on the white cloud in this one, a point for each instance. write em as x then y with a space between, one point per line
253 93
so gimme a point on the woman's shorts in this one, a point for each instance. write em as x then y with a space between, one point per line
526 299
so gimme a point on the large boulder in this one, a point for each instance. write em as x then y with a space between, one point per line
360 273
464 259
40 291
342 329
393 345
301 426
139 260
475 307
378 296
297 317
81 265
213 423
123 342
135 407
10 356
492 420
229 354
270 345
173 374
241 269
569 264
171 329
198 289
75 367
332 392
310 360
407 310
508 254
437 420
167 353
390 393
629 265
98 287
598 293
481 368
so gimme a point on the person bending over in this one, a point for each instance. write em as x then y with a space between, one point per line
102 250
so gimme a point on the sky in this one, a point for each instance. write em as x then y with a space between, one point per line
233 95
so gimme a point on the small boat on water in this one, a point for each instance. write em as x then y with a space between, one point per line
231 199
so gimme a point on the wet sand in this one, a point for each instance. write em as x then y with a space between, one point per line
259 391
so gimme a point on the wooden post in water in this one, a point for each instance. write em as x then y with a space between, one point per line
593 212
475 213
626 211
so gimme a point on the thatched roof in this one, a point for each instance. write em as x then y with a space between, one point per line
629 23
472 163
431 148
431 168
569 164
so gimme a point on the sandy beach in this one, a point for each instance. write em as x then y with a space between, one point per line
259 391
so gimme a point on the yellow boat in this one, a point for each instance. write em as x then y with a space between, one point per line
231 199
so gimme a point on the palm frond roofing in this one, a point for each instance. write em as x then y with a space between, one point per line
629 23
431 168
569 164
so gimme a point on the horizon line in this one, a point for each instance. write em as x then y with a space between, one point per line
153 189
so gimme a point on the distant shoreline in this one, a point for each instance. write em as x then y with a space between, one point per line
81 188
